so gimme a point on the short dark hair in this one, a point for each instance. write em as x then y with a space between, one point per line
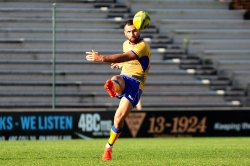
128 22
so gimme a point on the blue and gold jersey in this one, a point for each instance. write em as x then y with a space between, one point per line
138 68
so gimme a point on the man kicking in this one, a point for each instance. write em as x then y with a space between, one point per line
128 86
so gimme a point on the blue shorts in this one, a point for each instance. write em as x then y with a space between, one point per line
131 90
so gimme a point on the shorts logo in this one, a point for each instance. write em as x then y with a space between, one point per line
130 97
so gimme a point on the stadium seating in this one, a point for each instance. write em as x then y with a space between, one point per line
181 75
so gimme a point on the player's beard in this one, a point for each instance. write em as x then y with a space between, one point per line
134 40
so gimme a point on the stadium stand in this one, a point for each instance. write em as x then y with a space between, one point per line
209 70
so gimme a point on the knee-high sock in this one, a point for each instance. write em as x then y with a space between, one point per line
114 134
117 85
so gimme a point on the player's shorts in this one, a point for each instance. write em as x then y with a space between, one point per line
131 90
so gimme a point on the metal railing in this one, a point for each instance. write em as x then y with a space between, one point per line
53 56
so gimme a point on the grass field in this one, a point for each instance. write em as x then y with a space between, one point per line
136 152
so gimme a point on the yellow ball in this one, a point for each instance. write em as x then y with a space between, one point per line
141 20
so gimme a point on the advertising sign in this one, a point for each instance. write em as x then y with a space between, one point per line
188 123
87 125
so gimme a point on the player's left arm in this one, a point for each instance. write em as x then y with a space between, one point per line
114 58
116 65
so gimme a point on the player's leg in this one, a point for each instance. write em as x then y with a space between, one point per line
115 86
139 105
123 110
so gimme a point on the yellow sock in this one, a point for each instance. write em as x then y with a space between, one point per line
117 85
114 134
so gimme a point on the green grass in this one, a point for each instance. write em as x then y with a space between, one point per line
136 152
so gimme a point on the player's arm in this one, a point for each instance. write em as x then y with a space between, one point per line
114 58
116 65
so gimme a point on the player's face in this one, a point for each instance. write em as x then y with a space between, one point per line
131 33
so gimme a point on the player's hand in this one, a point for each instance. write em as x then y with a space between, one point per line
94 56
116 65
